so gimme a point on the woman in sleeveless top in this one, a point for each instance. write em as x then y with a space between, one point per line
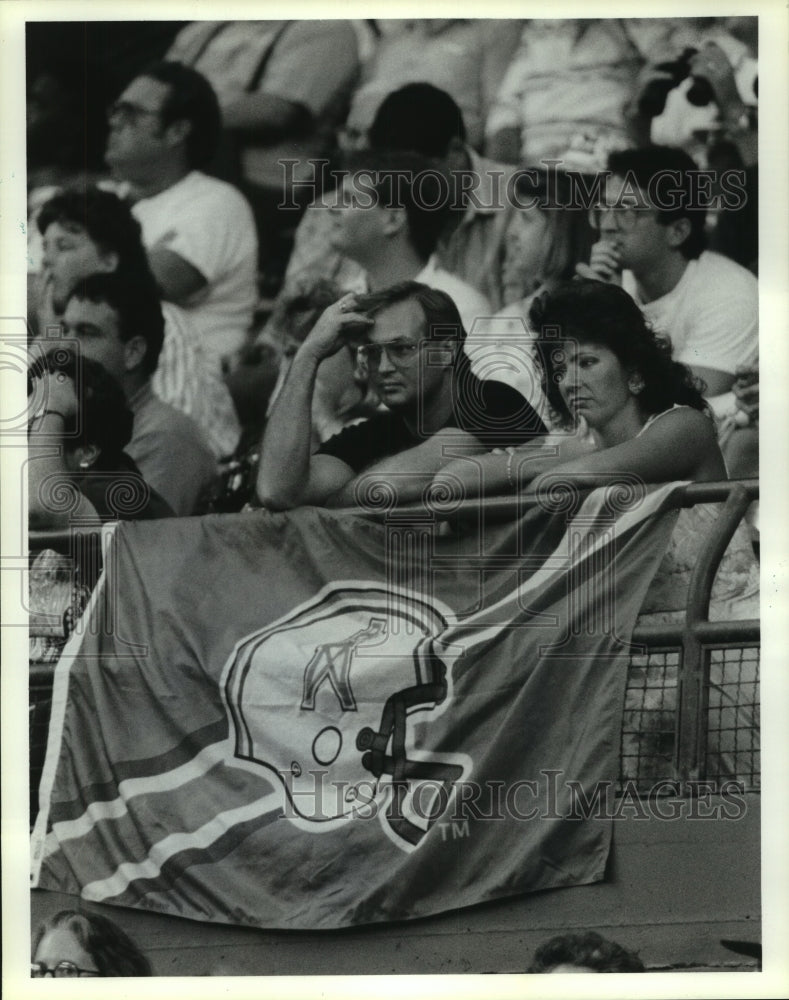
628 408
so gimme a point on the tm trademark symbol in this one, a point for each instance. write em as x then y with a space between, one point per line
459 830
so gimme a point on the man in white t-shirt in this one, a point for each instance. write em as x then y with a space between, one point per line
651 226
199 231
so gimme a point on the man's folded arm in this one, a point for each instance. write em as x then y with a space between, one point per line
407 474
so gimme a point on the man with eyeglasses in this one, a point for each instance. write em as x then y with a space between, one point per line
410 339
651 225
199 231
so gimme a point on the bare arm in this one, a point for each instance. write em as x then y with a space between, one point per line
717 382
48 474
409 473
177 279
680 445
288 475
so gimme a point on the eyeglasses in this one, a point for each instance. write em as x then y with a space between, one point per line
626 217
401 353
127 113
63 970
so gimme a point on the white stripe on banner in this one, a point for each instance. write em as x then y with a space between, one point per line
471 634
175 843
199 765
39 843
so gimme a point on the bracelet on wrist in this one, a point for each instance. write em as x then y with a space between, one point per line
510 477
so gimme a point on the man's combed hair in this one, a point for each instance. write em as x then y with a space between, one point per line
191 98
667 173
595 312
442 319
137 306
112 950
588 950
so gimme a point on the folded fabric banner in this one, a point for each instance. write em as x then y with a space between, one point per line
316 719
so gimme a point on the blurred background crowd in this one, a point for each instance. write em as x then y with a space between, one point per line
193 162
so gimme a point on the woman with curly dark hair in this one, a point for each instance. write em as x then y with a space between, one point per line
624 407
74 945
622 403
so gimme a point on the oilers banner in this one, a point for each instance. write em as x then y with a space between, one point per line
321 719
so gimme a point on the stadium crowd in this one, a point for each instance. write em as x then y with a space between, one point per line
254 227
268 259
258 171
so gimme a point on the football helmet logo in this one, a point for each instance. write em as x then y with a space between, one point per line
325 699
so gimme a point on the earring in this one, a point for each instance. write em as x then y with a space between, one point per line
84 464
635 384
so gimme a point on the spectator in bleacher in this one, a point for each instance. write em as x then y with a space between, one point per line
706 102
338 400
633 409
120 325
77 405
652 236
74 945
432 399
706 91
569 88
199 231
420 118
92 231
283 88
388 216
585 951
543 243
464 58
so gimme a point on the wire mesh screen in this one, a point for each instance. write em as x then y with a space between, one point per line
733 716
649 719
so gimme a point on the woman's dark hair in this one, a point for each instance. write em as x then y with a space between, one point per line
104 418
587 950
111 948
595 312
107 221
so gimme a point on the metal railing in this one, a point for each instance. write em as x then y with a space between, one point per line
669 716
696 645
